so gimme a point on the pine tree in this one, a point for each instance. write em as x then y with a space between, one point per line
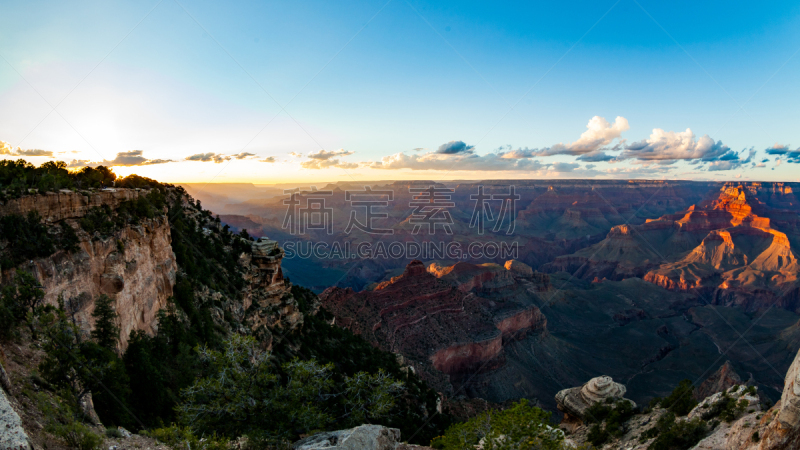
106 331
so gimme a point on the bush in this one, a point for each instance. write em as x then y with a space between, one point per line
598 435
608 420
244 394
681 401
18 299
113 433
62 420
727 408
182 438
77 435
680 435
520 427
27 238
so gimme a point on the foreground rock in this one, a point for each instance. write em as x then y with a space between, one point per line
12 436
364 437
729 419
574 402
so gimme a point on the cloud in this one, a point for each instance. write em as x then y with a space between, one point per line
207 157
326 163
464 161
598 134
565 167
673 146
596 157
268 159
723 165
7 149
243 155
324 159
129 158
454 147
81 163
326 155
34 152
778 149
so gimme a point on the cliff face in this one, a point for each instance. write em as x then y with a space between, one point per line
66 204
135 266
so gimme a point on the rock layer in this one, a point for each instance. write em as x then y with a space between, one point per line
574 402
437 318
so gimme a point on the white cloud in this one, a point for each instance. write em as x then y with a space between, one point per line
670 145
599 133
436 161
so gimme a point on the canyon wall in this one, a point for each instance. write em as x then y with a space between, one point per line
135 266
67 204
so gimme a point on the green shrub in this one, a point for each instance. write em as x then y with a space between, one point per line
681 435
520 427
727 408
681 400
113 433
27 238
182 438
598 435
62 420
77 435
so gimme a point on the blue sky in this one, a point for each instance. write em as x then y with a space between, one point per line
349 90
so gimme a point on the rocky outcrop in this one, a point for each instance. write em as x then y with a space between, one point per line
12 435
574 402
271 311
783 430
518 268
721 380
364 437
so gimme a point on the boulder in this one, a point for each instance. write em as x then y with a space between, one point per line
363 437
12 436
575 401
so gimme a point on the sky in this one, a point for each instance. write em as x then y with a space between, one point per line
295 91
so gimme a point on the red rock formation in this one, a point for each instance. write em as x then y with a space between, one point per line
440 324
724 243
721 380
